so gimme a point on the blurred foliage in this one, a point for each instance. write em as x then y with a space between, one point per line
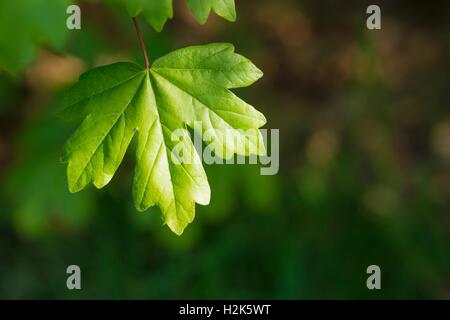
23 28
43 204
365 164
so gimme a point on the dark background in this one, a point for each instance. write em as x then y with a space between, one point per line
364 178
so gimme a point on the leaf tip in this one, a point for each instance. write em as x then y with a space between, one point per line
176 227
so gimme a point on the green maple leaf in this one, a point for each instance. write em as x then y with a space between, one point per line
157 12
224 8
122 100
23 29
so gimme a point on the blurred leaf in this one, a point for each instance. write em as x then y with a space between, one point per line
202 8
27 24
157 12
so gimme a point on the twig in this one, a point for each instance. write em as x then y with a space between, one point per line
141 42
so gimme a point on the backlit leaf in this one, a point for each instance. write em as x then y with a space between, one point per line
185 87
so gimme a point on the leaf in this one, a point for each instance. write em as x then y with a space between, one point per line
27 24
122 100
157 12
224 8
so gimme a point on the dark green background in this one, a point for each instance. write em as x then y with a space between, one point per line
365 164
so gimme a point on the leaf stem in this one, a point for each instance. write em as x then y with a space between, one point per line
141 43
